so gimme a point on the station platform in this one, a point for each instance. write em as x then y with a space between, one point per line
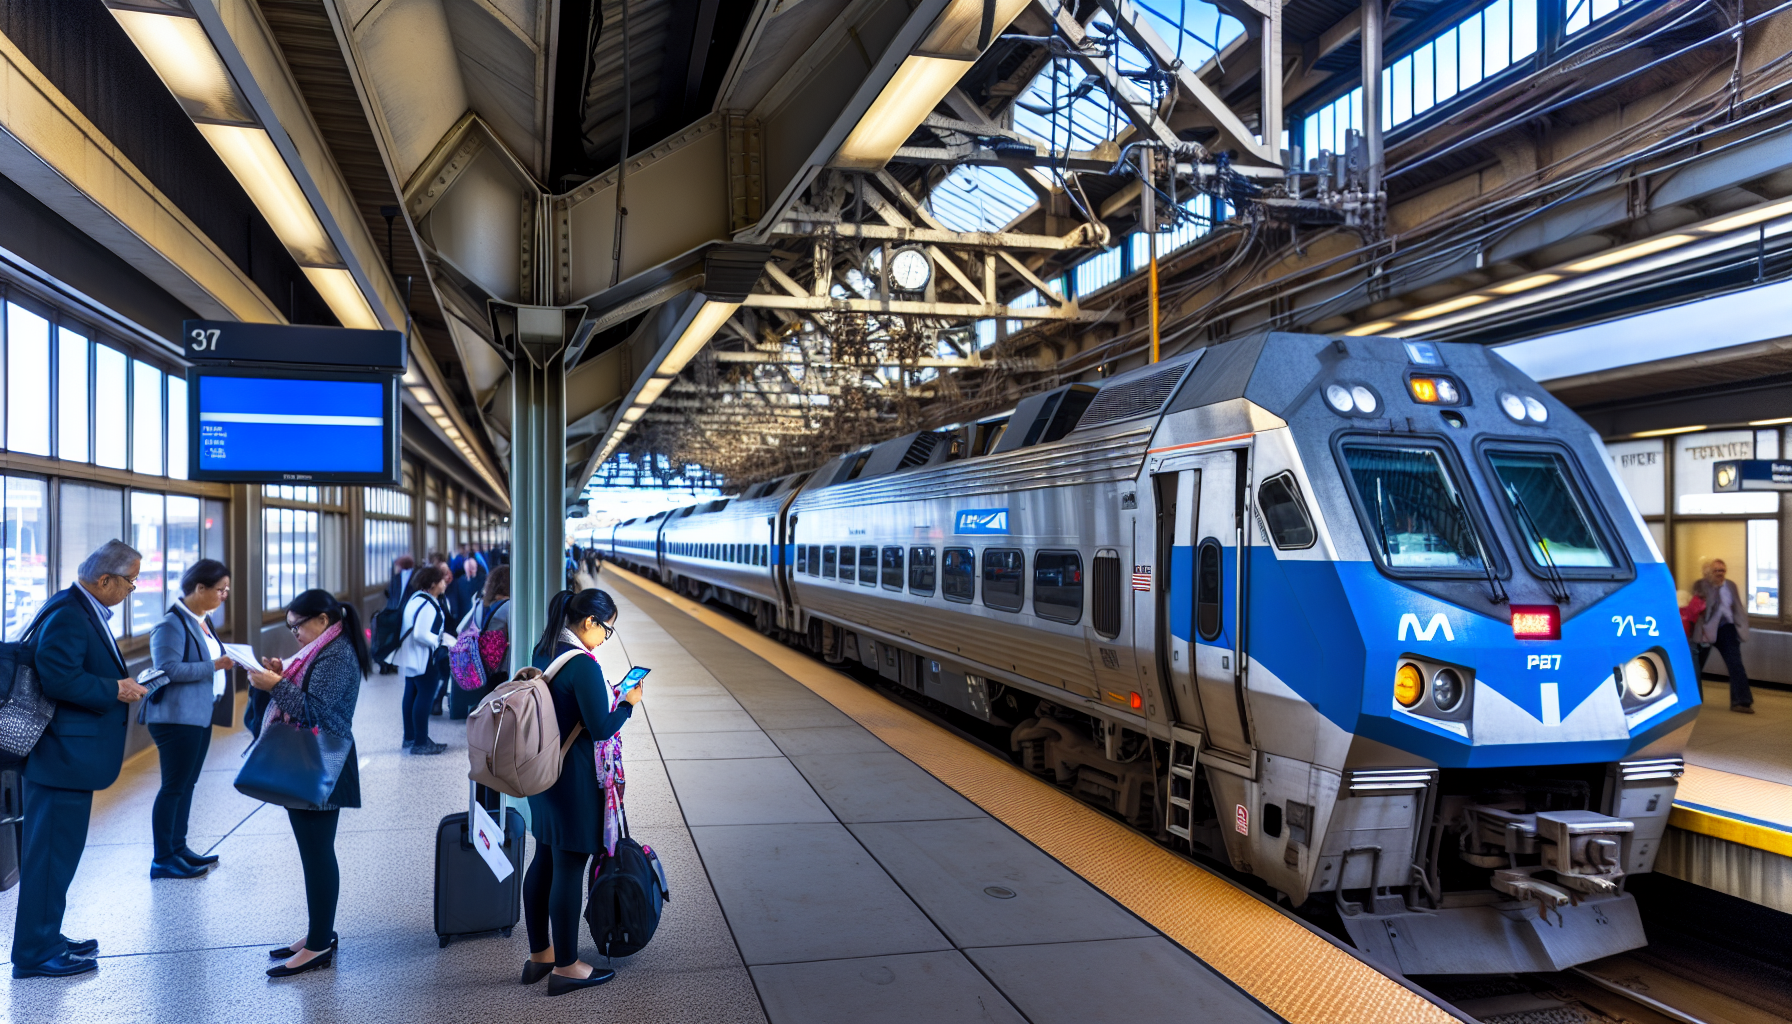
1731 827
833 857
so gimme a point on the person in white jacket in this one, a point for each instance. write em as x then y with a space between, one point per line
424 628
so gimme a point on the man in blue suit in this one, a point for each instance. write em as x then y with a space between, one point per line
80 668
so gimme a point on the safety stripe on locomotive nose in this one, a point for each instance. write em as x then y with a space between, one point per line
1290 969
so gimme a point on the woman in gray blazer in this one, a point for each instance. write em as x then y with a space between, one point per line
179 713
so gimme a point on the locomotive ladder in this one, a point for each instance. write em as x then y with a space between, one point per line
1180 792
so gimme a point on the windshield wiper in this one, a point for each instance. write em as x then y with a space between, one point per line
1557 583
1498 595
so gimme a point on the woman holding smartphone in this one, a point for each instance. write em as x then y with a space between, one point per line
580 814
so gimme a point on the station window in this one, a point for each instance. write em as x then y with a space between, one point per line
815 560
958 575
1106 593
146 418
111 430
829 562
74 357
920 570
1057 585
868 566
892 566
848 559
1004 579
27 381
25 559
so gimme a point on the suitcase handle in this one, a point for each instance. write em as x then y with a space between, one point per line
466 836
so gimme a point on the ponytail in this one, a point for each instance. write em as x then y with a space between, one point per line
317 602
569 609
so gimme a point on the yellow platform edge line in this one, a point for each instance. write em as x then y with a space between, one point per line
1718 826
1296 973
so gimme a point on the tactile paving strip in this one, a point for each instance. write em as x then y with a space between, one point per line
1293 971
1753 812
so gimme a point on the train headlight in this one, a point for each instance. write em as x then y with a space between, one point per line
1642 677
1364 398
1513 405
1446 689
1409 685
1338 396
1535 410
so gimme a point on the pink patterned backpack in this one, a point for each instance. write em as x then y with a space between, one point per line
478 654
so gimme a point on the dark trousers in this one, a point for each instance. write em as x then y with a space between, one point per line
553 894
55 834
1729 645
316 835
182 750
419 694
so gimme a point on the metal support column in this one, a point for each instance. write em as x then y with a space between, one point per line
1371 44
1271 76
535 340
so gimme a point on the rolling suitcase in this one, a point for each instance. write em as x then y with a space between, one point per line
12 818
469 899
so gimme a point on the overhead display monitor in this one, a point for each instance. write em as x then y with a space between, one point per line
300 426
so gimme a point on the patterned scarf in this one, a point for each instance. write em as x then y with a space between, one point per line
608 757
299 666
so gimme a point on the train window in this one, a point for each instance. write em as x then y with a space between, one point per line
848 560
1057 585
892 568
815 560
1290 526
1412 510
765 554
1004 579
920 570
1105 593
802 559
828 564
958 575
868 566
1548 511
1208 570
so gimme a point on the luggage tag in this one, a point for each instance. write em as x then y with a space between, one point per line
488 839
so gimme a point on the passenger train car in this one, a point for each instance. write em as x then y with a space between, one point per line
1371 620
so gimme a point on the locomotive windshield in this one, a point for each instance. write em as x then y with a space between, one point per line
1413 508
1547 510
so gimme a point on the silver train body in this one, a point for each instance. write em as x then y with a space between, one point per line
1283 603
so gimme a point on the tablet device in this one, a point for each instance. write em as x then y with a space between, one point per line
633 679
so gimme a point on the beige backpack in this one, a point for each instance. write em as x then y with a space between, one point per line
513 737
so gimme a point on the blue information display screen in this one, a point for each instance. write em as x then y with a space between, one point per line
283 425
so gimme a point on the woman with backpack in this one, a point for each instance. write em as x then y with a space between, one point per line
579 815
425 631
481 653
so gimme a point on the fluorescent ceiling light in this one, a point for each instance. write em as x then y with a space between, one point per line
1670 430
343 296
651 391
1375 328
1447 306
259 168
1744 218
177 48
1525 284
423 395
913 91
1629 252
703 327
954 33
1770 423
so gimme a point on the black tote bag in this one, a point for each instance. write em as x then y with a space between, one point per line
295 766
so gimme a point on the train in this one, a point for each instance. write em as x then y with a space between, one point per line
1368 619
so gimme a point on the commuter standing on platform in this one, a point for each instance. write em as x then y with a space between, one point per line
319 687
580 814
79 667
425 630
179 714
464 591
1723 625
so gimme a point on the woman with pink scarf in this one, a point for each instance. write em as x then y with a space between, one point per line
318 687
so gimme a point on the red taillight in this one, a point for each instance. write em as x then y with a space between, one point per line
1137 702
1536 622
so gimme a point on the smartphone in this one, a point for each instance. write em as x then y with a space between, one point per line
633 679
152 679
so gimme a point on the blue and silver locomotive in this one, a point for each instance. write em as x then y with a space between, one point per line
1369 619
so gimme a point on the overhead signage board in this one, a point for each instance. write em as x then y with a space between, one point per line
224 341
1751 475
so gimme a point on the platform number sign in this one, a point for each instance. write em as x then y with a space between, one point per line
204 340
1241 820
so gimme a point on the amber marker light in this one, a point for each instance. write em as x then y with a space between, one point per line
1424 389
1409 685
1137 701
1536 622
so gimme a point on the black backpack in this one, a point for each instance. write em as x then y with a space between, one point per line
626 897
385 633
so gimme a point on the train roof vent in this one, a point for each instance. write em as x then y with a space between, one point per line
715 506
1045 417
1140 396
919 451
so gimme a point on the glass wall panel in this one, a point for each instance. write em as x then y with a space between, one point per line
211 534
27 552
1697 542
148 536
87 517
111 407
73 355
1695 463
27 381
1762 588
177 427
182 541
1641 466
146 418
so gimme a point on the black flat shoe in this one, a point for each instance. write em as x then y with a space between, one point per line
175 868
560 984
63 966
316 963
534 972
283 953
82 947
203 860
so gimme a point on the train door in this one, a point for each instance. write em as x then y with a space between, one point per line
1171 581
1216 626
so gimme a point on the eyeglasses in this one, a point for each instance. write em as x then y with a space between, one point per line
609 630
293 627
